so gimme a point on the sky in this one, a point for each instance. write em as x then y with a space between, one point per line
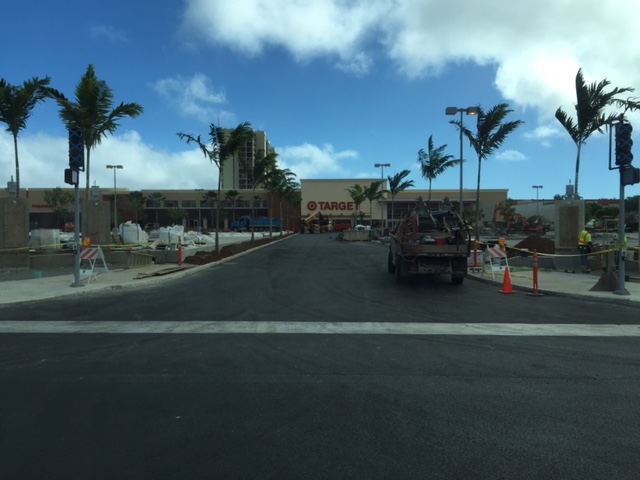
337 85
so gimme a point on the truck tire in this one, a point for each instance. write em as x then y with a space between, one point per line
458 273
391 268
401 268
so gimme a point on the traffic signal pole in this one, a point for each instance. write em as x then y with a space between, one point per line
628 176
71 176
620 243
76 233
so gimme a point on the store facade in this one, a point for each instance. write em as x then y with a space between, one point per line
330 197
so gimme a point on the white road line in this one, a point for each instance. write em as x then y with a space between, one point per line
338 328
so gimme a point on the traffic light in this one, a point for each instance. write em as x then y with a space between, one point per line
70 176
76 149
624 144
629 175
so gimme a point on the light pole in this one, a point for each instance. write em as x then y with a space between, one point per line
382 165
537 187
468 111
115 203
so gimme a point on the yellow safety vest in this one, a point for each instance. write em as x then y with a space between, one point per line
585 238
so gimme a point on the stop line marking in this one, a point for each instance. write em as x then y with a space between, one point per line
325 328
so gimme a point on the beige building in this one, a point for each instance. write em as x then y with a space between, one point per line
234 174
330 197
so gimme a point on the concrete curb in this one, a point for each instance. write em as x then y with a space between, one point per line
611 298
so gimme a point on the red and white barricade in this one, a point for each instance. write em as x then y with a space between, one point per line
90 256
496 258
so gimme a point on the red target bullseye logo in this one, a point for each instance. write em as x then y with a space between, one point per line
312 205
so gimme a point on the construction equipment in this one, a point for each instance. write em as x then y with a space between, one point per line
526 227
430 242
316 222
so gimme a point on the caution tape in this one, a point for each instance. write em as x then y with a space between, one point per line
73 246
530 252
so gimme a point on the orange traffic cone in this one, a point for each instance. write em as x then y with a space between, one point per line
506 285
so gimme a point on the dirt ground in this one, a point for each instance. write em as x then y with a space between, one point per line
539 243
202 258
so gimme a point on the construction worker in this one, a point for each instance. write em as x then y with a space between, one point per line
585 247
330 228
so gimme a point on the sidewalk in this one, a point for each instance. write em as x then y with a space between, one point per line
552 282
23 285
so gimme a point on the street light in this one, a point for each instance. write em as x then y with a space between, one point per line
537 187
468 111
115 207
382 165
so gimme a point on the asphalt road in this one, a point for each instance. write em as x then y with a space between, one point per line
156 405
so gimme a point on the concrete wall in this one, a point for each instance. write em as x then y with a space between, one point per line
96 219
14 233
569 222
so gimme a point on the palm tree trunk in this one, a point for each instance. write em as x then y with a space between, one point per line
478 200
253 211
575 193
88 178
393 200
218 212
15 149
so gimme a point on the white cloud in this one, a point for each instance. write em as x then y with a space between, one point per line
192 97
112 34
511 156
543 134
43 159
536 47
311 161
306 28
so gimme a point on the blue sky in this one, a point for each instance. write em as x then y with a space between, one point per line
338 85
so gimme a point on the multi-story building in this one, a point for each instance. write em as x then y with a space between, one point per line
234 172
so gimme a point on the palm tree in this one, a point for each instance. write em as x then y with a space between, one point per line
357 194
16 103
258 172
223 147
93 113
372 193
433 162
491 134
232 196
397 184
137 201
280 182
154 200
293 197
591 101
210 198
